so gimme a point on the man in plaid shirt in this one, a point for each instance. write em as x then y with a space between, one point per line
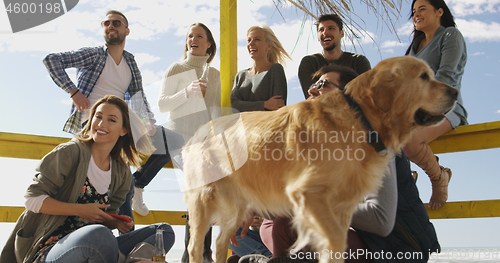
109 69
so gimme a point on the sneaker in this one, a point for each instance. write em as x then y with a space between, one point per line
138 202
254 258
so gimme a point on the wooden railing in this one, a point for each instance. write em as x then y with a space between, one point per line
464 138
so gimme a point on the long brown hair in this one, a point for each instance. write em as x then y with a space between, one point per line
211 50
446 20
124 149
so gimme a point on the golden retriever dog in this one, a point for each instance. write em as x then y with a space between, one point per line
312 160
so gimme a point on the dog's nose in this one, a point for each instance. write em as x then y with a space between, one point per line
453 92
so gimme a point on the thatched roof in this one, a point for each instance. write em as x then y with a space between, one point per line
387 13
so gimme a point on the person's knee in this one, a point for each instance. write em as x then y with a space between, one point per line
100 231
92 243
168 235
100 238
413 147
174 141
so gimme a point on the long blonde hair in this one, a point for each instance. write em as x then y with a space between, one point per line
124 150
277 53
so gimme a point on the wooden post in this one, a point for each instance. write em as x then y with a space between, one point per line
228 50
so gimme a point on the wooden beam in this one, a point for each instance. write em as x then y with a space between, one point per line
464 138
171 217
27 146
468 138
466 209
228 51
10 214
35 147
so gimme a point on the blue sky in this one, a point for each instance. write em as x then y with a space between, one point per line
33 104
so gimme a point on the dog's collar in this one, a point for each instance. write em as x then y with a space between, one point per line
372 135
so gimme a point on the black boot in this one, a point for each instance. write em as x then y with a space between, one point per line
207 252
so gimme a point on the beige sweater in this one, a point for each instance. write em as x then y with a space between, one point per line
186 115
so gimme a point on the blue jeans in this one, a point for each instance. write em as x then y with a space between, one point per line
167 143
251 244
97 244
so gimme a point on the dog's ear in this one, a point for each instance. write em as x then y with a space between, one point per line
384 86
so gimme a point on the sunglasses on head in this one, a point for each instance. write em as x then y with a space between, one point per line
321 83
116 23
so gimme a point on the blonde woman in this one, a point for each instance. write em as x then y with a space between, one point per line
263 86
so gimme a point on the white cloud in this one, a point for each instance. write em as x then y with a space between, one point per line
406 29
67 32
498 111
144 58
366 37
472 30
489 75
153 18
461 8
151 79
477 53
392 43
479 31
146 22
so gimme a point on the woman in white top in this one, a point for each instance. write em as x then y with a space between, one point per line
72 203
191 93
184 94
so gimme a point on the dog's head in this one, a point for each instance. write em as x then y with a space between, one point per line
401 94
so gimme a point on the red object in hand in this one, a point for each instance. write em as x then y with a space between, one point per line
122 218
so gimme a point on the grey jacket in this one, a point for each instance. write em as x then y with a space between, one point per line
61 175
446 55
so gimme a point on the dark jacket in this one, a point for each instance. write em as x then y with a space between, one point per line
413 232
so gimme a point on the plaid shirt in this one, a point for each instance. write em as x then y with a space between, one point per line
89 63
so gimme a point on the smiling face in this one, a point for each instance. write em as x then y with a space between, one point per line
197 42
331 83
425 16
257 45
329 35
115 35
107 124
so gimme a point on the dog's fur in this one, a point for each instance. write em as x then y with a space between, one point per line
397 96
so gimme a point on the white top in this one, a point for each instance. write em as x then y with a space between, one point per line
186 115
114 80
98 178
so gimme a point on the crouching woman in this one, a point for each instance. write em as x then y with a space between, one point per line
77 185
